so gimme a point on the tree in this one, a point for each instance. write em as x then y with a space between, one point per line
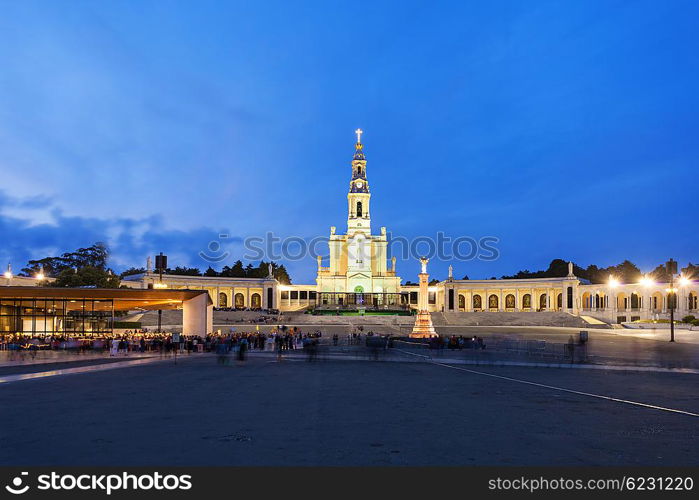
132 270
691 271
93 256
87 276
280 274
237 271
184 271
249 271
211 272
465 277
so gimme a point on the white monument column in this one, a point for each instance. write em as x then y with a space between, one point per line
423 322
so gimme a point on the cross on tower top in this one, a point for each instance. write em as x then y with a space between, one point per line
359 133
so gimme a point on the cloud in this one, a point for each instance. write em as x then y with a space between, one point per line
32 228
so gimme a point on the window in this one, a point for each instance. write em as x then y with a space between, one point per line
303 294
359 209
285 294
312 295
294 294
239 301
56 316
431 297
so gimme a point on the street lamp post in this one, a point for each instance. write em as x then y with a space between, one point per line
671 268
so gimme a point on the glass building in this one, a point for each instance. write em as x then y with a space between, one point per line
56 316
41 311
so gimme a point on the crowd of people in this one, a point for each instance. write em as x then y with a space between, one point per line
280 339
458 342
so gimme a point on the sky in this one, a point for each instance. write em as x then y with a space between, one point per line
560 129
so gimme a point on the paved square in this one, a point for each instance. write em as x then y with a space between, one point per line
345 413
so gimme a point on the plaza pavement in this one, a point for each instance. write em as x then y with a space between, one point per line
294 412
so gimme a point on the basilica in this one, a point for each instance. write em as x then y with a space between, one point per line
358 272
358 276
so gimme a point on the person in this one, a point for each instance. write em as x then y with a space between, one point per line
222 353
114 348
279 346
571 348
242 348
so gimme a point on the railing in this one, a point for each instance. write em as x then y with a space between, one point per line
493 349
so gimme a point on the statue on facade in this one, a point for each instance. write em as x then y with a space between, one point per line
424 261
270 273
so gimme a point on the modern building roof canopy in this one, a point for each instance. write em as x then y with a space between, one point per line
124 298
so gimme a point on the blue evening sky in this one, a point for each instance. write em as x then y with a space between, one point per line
565 129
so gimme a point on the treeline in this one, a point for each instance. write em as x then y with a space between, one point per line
88 267
237 270
625 272
83 267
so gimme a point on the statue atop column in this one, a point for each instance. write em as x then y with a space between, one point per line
270 271
451 272
149 264
424 261
423 321
570 270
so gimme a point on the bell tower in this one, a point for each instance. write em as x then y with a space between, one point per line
358 214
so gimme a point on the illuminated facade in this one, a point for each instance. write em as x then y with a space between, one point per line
359 276
358 273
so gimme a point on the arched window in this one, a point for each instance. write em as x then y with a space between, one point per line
542 302
510 301
586 300
477 302
239 301
635 302
493 301
527 301
462 302
559 301
359 209
255 301
222 300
